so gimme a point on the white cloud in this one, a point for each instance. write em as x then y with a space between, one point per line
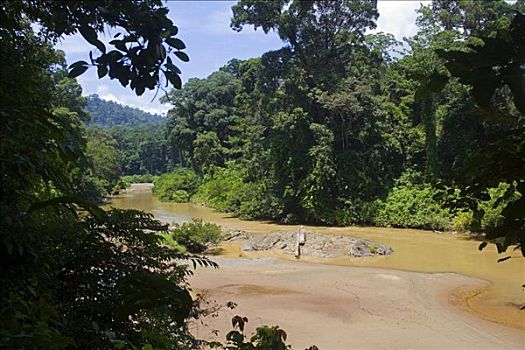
128 98
398 17
162 109
104 93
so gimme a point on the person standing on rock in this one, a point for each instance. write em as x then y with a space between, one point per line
300 240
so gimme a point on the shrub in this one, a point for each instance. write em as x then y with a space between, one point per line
489 218
226 189
177 186
168 240
93 188
462 221
196 235
411 203
499 198
137 178
223 189
356 212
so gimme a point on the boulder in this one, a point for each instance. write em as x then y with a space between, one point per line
317 244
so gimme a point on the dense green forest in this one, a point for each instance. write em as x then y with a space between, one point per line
66 281
337 127
119 141
331 129
106 114
132 143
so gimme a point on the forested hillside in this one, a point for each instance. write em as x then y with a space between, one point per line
106 114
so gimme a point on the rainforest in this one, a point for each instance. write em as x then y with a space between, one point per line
409 153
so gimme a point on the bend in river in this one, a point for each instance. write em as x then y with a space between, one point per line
414 250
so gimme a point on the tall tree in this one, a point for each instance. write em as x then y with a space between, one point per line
66 279
202 106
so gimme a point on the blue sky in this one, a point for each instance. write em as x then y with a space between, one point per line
204 26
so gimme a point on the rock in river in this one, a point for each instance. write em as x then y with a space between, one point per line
317 244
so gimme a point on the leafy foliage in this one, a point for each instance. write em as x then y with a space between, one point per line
201 119
490 64
411 203
223 189
142 47
143 149
177 186
486 216
196 235
133 179
73 276
265 337
99 172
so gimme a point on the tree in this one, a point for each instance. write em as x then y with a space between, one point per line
99 169
207 151
490 67
479 18
320 33
203 106
144 41
71 274
318 190
143 148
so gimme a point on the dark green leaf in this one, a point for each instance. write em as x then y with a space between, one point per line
89 34
119 44
174 79
140 90
75 72
172 67
91 37
100 45
182 56
102 70
175 43
78 63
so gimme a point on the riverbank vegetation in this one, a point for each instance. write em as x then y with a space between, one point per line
343 134
196 235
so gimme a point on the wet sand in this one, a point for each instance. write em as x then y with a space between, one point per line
337 307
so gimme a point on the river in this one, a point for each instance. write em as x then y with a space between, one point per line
414 250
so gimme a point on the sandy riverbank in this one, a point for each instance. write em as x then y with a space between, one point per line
340 307
317 301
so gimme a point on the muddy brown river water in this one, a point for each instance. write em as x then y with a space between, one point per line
414 250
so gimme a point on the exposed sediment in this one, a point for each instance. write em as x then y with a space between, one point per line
317 244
